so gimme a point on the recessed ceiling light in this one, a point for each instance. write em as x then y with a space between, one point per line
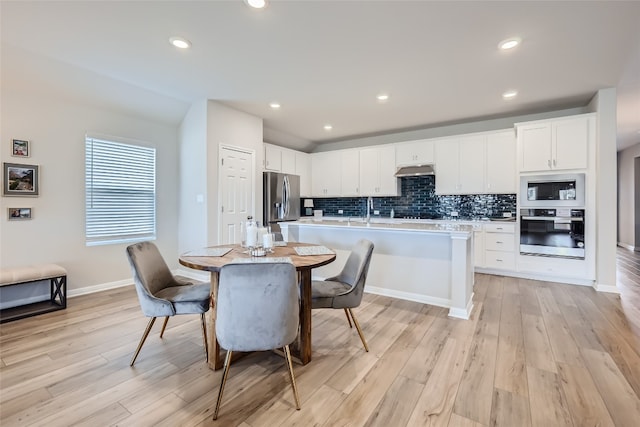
274 105
382 97
179 42
257 4
510 43
510 94
328 127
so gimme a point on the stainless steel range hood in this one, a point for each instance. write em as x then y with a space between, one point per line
415 171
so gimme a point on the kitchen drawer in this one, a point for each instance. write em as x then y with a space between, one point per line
500 227
499 242
501 260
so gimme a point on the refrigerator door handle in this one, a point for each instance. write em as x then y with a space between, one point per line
285 197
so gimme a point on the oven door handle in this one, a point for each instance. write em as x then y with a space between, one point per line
551 218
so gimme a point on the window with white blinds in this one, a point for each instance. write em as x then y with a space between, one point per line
120 192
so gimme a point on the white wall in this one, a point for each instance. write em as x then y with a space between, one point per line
206 127
604 104
629 197
443 130
192 216
227 126
56 129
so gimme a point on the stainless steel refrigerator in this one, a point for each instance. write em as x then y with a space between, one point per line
281 194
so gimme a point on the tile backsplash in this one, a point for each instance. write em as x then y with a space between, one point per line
418 199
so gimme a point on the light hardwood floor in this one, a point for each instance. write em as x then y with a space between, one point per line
533 354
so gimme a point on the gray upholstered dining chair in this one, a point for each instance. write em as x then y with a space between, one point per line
257 309
161 294
345 290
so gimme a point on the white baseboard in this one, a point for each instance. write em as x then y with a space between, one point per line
462 313
97 288
606 288
536 276
630 247
409 296
202 276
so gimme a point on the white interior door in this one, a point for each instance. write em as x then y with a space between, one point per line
236 192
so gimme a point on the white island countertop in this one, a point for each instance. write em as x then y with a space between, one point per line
424 261
431 227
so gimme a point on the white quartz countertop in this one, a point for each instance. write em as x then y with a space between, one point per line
430 227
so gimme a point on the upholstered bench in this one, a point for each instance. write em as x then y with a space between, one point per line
57 277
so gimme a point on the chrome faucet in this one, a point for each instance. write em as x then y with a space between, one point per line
369 207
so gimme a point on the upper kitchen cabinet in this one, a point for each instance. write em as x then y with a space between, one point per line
326 174
500 176
303 170
272 158
288 161
377 171
279 159
350 173
459 165
557 144
414 153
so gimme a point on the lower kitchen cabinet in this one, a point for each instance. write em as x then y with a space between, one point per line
478 247
500 246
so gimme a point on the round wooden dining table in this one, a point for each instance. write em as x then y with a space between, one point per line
208 259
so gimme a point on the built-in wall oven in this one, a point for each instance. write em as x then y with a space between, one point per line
552 232
552 215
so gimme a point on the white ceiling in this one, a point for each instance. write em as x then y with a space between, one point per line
325 61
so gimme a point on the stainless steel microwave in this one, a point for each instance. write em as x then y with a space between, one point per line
550 191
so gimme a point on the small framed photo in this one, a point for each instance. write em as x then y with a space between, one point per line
20 180
17 214
20 148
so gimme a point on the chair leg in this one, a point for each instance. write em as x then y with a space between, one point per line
204 336
227 363
355 322
142 340
164 325
287 354
348 318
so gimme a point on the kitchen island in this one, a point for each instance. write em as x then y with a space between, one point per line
428 263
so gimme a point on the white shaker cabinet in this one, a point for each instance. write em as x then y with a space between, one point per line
272 158
472 165
414 153
326 174
303 170
500 177
500 246
377 172
350 173
459 164
447 167
288 158
279 159
557 144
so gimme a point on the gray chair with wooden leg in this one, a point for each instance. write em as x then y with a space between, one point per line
345 290
257 309
161 294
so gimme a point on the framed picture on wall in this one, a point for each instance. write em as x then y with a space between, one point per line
20 148
17 214
20 180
